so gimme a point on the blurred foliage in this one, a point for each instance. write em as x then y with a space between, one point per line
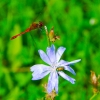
77 22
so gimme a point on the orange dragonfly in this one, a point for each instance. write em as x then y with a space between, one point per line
32 27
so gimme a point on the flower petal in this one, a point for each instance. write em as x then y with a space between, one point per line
44 57
68 68
73 62
51 53
62 63
37 76
39 71
56 84
40 68
52 82
66 77
65 63
59 53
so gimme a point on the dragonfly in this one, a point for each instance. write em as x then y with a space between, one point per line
33 26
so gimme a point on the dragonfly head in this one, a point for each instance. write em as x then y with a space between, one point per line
41 24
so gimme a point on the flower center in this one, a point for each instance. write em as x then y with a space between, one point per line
54 67
54 64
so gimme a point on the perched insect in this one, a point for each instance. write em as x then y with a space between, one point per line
60 69
52 36
32 27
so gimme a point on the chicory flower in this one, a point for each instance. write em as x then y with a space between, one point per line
55 67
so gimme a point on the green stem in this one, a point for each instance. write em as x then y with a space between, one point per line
93 96
47 34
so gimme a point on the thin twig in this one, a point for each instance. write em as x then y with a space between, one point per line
47 34
93 96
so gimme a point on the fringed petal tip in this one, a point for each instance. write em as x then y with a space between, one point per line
79 60
32 69
59 53
73 82
73 62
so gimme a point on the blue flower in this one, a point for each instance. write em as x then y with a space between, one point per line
55 68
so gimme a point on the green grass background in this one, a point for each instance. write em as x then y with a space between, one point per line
77 22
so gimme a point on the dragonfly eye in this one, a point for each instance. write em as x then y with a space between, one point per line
40 24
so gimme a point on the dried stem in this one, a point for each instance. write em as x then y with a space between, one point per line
49 96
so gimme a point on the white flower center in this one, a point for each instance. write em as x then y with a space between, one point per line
53 66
